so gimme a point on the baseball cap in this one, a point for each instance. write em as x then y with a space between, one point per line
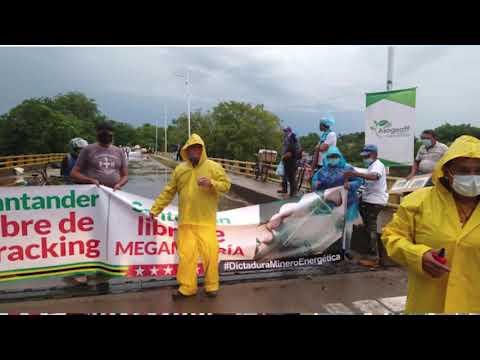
367 149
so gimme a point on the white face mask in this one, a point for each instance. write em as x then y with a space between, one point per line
466 185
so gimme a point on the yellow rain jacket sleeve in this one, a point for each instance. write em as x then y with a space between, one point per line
197 205
428 219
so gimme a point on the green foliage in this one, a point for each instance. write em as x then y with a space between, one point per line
351 146
231 130
309 142
447 133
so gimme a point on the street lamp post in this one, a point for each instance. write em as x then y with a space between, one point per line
156 134
187 85
165 120
390 69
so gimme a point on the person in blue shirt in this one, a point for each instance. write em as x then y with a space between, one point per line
74 147
331 175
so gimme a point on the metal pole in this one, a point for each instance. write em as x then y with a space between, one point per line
188 102
390 69
165 119
156 134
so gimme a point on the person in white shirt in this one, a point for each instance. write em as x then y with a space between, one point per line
374 199
428 155
327 138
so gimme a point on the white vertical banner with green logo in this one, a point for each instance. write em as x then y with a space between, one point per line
390 124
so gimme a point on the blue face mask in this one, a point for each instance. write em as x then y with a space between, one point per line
367 162
333 162
427 142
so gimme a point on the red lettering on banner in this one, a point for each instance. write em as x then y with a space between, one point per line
48 249
238 251
161 227
25 226
15 255
148 249
220 236
13 228
28 252
43 224
171 231
164 248
84 222
229 251
70 221
138 249
120 250
6 225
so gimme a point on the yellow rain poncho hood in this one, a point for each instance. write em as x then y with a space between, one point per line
196 205
428 219
194 140
464 146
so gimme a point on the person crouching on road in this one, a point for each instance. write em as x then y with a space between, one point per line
444 216
199 182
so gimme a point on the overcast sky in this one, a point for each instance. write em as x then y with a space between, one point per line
298 83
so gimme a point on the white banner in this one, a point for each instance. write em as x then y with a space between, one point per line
59 230
390 124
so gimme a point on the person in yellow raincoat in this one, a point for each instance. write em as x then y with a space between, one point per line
199 183
445 216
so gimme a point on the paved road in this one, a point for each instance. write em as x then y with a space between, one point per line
376 292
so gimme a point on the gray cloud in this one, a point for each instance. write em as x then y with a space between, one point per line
298 83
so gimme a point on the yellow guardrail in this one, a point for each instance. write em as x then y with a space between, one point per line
10 162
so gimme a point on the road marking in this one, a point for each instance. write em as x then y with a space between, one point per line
371 307
396 304
337 308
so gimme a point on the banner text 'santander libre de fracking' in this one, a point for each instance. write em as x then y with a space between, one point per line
60 230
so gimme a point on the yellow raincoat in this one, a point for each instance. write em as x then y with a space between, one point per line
197 217
428 219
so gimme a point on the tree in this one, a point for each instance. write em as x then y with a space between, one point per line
239 130
351 146
145 136
34 128
309 142
447 133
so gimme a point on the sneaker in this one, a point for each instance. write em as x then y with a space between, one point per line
211 294
177 295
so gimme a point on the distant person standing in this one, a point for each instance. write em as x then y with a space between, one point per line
178 152
428 155
74 147
289 159
327 138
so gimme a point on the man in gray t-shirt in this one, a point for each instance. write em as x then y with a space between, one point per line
102 163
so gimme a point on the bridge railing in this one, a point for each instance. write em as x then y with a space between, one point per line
247 168
10 162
